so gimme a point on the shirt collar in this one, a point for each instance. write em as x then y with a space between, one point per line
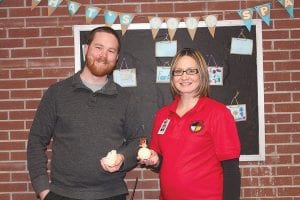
196 108
110 88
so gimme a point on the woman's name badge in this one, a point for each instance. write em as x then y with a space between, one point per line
163 127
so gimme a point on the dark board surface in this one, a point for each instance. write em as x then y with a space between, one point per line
240 73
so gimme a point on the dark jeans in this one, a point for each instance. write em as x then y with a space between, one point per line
53 196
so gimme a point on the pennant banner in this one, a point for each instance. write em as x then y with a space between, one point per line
192 24
90 13
288 5
35 3
247 17
155 23
73 7
52 5
264 12
172 24
211 22
125 21
110 17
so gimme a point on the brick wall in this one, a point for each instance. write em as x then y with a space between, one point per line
37 50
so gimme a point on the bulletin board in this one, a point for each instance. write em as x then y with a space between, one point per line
242 74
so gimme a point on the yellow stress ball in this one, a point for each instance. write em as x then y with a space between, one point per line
144 153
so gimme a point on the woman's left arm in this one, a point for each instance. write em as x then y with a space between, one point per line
232 179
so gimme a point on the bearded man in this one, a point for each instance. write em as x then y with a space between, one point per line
86 115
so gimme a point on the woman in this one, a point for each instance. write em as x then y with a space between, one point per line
194 139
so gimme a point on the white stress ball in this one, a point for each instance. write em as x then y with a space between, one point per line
144 153
111 158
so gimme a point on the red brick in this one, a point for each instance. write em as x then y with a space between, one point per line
41 42
4 196
12 166
292 148
295 34
12 84
157 8
12 43
62 51
41 83
289 191
26 94
275 34
3 115
19 135
278 97
15 63
23 32
24 12
286 45
12 145
277 139
13 187
18 156
290 86
60 31
277 76
11 125
9 105
288 128
21 115
24 196
222 5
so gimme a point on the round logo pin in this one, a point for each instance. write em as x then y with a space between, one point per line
196 126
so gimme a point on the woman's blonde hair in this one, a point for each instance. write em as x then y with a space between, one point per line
203 87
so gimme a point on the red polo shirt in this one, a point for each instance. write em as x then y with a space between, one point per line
192 147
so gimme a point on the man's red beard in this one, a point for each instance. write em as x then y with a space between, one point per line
98 70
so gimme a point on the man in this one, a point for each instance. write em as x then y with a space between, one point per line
87 116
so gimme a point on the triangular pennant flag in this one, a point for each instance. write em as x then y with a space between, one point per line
155 23
125 20
264 12
91 13
211 22
247 17
172 25
288 5
192 24
52 5
73 7
110 17
35 3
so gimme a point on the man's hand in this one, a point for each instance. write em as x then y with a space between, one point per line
114 167
43 194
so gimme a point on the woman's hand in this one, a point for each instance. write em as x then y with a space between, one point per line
153 160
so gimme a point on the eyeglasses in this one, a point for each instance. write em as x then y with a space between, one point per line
179 72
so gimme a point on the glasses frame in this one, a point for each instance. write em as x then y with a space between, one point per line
187 71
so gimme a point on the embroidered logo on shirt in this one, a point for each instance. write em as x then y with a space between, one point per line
196 126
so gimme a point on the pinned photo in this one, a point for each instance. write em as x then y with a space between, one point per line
238 111
165 48
163 74
215 76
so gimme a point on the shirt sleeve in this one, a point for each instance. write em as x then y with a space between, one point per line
154 136
39 137
134 130
225 135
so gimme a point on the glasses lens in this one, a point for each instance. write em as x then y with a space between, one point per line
191 71
177 72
